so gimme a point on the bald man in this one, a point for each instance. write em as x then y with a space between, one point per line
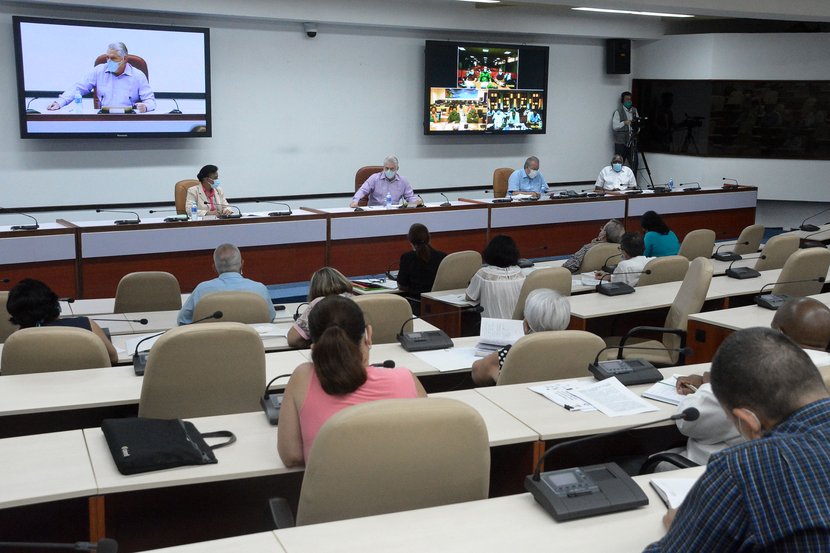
806 321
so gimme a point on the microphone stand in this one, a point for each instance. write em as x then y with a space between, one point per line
135 221
728 256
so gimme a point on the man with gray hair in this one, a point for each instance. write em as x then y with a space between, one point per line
528 179
117 83
387 181
227 260
611 231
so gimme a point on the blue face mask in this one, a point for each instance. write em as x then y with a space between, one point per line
112 66
616 167
390 174
215 184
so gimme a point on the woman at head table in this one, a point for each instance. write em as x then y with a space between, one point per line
325 282
207 195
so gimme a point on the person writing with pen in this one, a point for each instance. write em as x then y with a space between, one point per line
208 197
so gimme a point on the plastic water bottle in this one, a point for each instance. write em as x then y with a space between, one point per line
388 199
194 213
78 103
671 184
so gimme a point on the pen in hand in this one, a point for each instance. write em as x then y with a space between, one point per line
689 386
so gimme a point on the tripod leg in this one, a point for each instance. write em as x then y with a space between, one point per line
647 168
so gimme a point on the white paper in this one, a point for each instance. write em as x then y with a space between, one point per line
270 330
819 358
588 279
145 346
614 399
665 391
451 359
455 299
673 490
561 394
500 332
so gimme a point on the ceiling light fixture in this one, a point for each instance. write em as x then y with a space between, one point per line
631 12
482 1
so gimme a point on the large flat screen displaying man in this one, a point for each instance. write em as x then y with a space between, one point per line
485 89
90 79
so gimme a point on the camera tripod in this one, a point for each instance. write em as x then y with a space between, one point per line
632 150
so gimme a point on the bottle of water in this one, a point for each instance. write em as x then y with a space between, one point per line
388 199
671 184
194 213
78 103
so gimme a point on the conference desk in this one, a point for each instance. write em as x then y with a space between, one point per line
48 253
820 235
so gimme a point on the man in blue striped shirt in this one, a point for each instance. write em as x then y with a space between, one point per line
771 493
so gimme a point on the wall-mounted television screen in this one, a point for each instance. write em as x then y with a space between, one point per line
92 79
475 88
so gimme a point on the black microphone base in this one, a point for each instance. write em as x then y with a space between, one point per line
614 289
279 213
271 405
32 111
809 228
525 263
140 362
770 301
126 222
175 112
742 273
660 189
630 372
728 256
425 341
502 200
232 216
25 227
576 493
446 204
176 219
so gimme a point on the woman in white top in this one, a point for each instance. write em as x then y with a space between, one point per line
633 261
496 286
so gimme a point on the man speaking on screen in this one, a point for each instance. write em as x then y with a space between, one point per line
117 84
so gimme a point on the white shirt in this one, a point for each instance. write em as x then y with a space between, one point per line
497 290
712 431
634 268
609 179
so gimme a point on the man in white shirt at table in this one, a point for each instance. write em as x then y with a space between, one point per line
615 176
633 261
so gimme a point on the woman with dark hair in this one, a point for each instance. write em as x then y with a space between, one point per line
32 303
496 286
338 376
208 197
659 240
325 282
419 267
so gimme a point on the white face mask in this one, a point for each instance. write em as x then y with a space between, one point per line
389 173
532 173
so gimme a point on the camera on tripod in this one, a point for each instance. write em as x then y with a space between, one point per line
692 122
638 122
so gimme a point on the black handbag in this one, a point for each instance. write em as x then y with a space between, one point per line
143 445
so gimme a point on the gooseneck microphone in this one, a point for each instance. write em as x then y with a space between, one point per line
682 184
429 339
730 185
448 203
29 103
610 268
272 402
223 215
21 227
276 213
810 227
774 301
104 545
140 357
181 217
388 364
139 321
618 288
728 256
135 221
176 111
742 273
297 312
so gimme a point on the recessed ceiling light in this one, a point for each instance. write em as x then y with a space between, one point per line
482 1
632 12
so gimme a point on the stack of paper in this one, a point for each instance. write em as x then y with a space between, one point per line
673 490
612 398
561 394
497 333
588 279
665 391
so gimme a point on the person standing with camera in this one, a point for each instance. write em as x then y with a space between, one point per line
623 123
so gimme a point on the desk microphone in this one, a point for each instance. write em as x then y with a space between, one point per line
69 301
574 493
525 263
774 301
272 402
24 227
728 256
276 213
448 203
429 339
140 358
742 273
807 243
618 288
392 275
297 312
682 184
176 111
104 545
632 372
236 215
610 268
810 227
139 321
181 217
135 221
388 364
29 103
730 186
422 204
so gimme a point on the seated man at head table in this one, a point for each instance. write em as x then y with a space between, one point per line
767 493
116 82
388 180
611 231
633 261
227 260
615 176
528 180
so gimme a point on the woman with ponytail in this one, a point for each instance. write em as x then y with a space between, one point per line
418 267
338 376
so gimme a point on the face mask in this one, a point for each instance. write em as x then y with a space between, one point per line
112 66
616 167
532 173
215 184
628 104
389 173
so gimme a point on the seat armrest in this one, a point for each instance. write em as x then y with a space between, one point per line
663 330
281 513
672 458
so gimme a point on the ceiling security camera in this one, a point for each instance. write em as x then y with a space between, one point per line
310 29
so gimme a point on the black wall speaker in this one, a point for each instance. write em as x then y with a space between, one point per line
618 56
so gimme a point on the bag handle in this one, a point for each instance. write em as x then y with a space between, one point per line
231 438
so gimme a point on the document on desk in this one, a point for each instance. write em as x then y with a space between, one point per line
446 360
588 279
561 393
497 333
613 399
270 330
673 490
455 299
819 358
665 391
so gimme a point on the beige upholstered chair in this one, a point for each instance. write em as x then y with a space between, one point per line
52 348
500 178
550 355
386 313
456 270
597 254
752 234
203 370
689 300
180 194
776 252
698 243
803 265
236 307
360 177
388 457
147 291
670 268
555 278
6 326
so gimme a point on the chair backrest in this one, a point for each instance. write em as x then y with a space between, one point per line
6 326
776 252
456 270
670 268
180 194
136 61
236 307
549 356
689 300
803 265
752 234
597 254
386 456
698 243
500 178
203 370
52 348
555 278
147 291
386 313
360 177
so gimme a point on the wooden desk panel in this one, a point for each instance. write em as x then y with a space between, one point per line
47 254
